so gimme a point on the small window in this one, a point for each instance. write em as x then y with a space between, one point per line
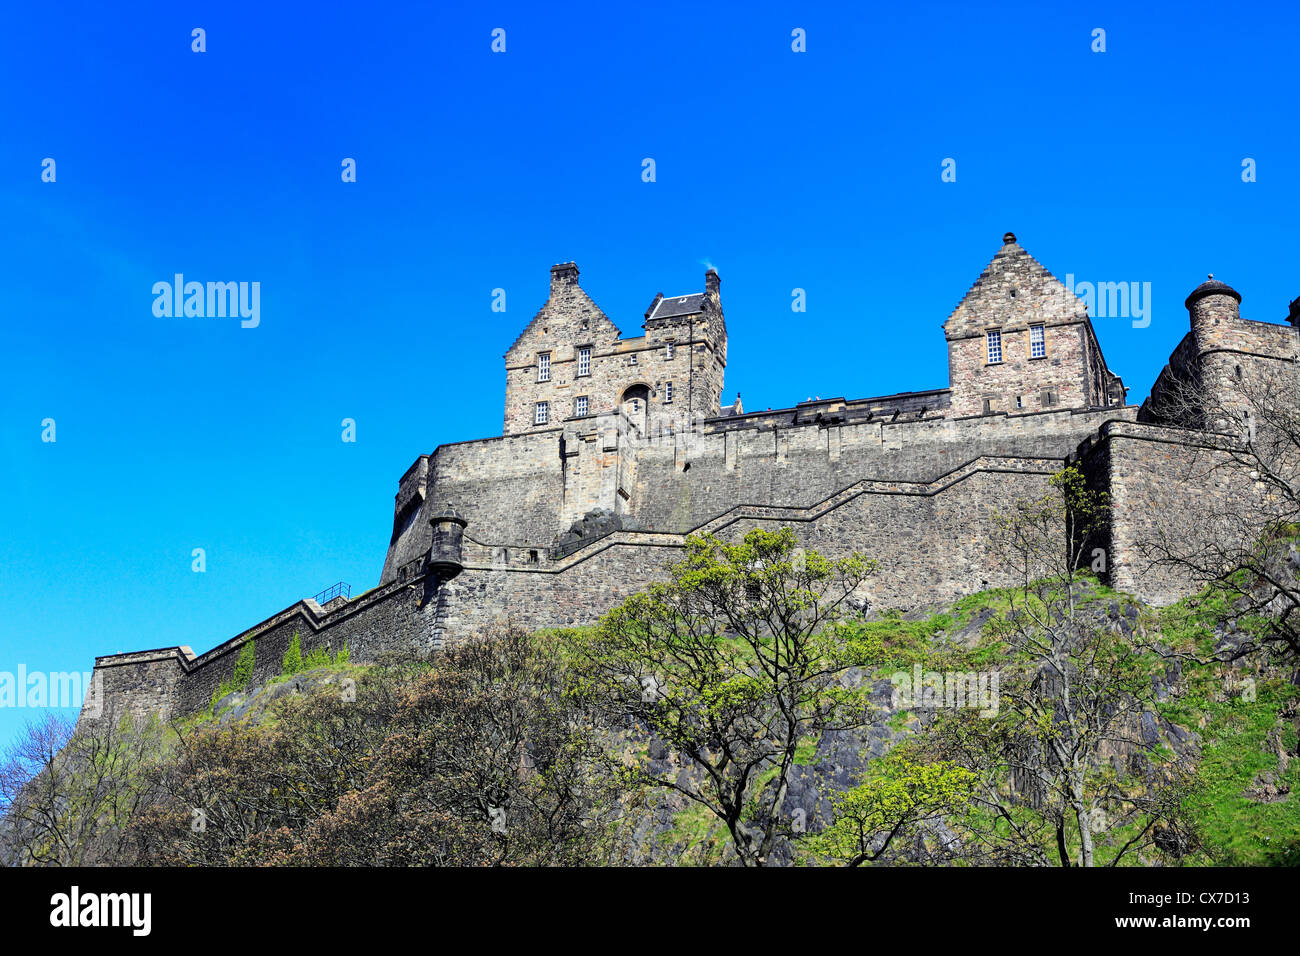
584 361
995 346
1037 343
580 406
543 414
668 351
668 392
543 366
1019 402
1049 397
632 360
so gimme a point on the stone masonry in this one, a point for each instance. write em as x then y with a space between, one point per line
573 508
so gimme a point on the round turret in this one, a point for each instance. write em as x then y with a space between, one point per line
448 533
1211 287
1213 310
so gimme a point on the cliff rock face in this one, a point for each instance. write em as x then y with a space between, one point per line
1200 713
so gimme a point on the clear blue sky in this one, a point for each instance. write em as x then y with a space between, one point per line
476 171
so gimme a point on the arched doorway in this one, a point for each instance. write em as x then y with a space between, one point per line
636 406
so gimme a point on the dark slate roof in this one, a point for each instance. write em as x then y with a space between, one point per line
1211 286
678 305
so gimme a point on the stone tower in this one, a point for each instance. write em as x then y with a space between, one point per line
1223 364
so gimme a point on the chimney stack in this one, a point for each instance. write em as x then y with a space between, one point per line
711 282
563 276
1294 317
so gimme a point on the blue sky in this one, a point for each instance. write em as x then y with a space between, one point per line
476 171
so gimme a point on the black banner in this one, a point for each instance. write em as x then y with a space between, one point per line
333 905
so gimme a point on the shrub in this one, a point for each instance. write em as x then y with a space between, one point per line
293 657
241 678
243 675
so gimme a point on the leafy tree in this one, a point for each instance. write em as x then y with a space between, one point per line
901 794
733 662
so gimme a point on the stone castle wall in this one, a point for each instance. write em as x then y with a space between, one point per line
911 480
521 491
1165 485
777 463
930 539
170 682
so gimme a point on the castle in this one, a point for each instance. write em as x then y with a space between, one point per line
615 448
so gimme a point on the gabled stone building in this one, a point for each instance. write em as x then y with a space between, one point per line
1020 341
571 362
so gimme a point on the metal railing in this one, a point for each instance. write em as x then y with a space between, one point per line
342 589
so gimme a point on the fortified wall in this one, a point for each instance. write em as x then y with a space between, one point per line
615 448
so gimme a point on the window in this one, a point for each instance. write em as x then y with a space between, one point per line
668 392
1049 397
584 361
580 406
543 414
543 366
668 351
1037 344
1019 402
632 360
995 346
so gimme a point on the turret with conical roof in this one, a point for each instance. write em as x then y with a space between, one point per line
1223 364
1213 308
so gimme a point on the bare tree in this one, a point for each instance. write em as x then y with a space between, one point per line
67 794
1234 530
1063 758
